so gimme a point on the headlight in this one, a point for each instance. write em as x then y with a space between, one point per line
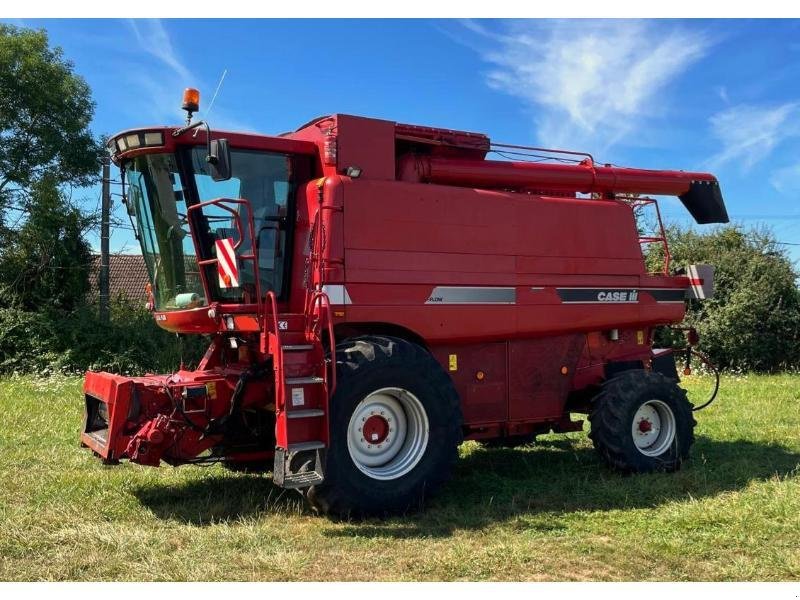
141 139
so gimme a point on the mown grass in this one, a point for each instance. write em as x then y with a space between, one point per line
546 512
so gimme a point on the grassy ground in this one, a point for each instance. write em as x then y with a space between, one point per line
551 511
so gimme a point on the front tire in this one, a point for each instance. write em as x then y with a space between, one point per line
395 425
642 422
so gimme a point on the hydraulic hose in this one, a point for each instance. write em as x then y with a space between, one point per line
217 426
705 360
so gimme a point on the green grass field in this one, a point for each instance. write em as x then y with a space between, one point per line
551 511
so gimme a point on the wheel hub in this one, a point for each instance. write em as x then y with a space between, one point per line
375 429
653 428
388 433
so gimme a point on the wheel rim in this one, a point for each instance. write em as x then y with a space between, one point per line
388 433
653 428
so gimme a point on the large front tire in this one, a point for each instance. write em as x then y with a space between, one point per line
395 425
642 422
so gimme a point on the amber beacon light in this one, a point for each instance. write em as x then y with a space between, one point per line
191 101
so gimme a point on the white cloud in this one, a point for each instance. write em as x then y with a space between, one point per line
157 73
162 83
592 82
154 39
748 133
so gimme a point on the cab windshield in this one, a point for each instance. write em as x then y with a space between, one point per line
157 200
162 187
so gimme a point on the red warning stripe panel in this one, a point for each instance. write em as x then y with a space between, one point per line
227 268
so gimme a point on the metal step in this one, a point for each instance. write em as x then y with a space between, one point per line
301 465
101 435
303 446
297 347
305 414
301 480
304 380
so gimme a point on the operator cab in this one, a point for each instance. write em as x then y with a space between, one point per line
161 190
198 231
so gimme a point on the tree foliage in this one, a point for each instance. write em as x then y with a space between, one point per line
45 145
46 266
45 112
753 320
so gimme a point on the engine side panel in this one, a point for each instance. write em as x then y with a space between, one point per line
459 265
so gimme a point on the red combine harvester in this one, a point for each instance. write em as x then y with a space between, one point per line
375 293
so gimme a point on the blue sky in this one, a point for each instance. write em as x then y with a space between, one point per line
721 95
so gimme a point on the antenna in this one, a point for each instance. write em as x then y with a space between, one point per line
213 98
216 91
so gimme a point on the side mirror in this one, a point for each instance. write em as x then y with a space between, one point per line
219 160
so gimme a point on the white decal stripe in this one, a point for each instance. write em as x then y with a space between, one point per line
589 287
225 268
223 258
337 293
697 288
601 302
226 261
446 294
230 254
617 295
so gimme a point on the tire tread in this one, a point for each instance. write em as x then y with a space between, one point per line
612 411
354 357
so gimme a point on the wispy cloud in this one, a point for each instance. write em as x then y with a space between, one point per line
787 180
590 82
154 39
157 72
162 80
748 133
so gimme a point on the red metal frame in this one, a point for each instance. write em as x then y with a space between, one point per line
277 354
197 137
637 202
319 302
253 256
497 267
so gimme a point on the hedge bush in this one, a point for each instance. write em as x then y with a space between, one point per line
130 343
753 321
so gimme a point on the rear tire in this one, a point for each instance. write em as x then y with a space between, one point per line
642 422
395 428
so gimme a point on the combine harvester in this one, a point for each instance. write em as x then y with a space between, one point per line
375 293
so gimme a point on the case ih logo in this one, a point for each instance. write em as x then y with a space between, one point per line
598 295
617 296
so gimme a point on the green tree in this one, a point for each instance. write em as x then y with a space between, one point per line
46 267
45 144
45 112
753 320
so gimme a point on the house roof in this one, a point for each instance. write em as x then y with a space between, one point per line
127 276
